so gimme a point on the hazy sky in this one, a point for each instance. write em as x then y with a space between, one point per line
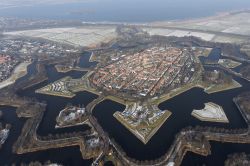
131 3
19 3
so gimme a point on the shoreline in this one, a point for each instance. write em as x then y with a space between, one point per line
19 71
215 15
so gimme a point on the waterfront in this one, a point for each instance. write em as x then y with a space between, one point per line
218 156
81 25
48 123
67 156
180 118
156 147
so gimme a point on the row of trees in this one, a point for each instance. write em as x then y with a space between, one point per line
238 159
37 163
63 135
215 129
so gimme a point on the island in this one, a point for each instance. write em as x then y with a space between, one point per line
211 113
71 116
142 120
4 133
68 68
61 87
228 63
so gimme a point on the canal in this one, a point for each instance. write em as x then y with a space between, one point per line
181 107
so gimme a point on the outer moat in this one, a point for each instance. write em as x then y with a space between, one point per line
137 101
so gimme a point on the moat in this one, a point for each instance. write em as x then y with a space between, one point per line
158 144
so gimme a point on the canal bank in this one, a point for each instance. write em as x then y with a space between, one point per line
160 142
66 156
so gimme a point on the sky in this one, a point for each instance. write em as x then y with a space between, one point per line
4 4
138 3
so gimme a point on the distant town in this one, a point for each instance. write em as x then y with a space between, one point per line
19 51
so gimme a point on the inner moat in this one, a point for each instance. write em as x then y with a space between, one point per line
104 105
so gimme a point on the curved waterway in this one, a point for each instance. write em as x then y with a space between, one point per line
181 107
67 156
56 104
220 152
